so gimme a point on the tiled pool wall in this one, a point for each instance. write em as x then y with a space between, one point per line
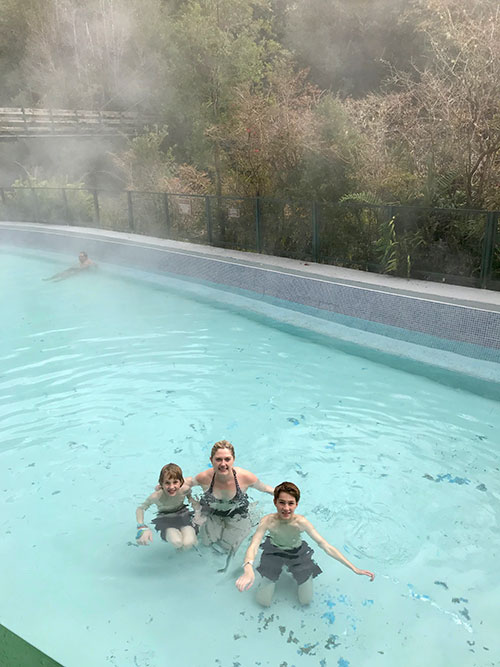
457 327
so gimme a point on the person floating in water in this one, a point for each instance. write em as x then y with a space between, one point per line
174 518
224 518
284 547
84 264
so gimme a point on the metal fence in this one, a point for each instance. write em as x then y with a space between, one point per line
446 245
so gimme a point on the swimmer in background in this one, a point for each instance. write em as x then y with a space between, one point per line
174 518
284 547
84 264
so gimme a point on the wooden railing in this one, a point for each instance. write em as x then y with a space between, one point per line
21 123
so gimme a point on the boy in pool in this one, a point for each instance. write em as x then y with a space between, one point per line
174 518
284 546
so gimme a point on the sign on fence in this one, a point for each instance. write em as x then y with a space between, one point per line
233 212
184 206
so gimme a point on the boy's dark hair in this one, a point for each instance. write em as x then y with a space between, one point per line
287 487
171 470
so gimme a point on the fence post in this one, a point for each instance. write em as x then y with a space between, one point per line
96 208
25 124
4 203
130 210
258 228
489 241
35 205
167 213
208 214
315 231
66 207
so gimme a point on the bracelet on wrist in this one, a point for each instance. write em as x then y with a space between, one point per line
248 562
141 525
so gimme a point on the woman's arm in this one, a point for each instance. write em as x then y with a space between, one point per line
260 486
253 481
193 501
329 549
144 534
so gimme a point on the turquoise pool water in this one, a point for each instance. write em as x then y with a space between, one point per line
104 378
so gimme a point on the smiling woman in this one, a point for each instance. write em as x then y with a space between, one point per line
225 519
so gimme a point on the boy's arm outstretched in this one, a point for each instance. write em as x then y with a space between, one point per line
246 580
331 550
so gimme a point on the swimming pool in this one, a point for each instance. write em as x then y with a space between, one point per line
105 378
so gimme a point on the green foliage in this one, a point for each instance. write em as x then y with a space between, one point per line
147 164
362 198
386 247
44 201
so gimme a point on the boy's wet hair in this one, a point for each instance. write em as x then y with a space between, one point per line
287 487
171 470
222 444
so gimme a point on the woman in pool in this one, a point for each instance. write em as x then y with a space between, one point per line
224 516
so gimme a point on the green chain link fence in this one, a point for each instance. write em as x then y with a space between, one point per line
448 245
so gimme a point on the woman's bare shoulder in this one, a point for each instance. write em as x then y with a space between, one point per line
204 477
245 475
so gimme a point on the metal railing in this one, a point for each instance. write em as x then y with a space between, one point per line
24 123
448 245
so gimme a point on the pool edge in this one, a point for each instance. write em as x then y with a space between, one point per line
17 652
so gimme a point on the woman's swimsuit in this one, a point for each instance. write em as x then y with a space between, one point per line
212 505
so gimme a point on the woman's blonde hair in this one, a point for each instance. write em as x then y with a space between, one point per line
222 444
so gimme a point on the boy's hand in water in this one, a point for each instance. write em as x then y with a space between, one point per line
246 580
145 538
366 573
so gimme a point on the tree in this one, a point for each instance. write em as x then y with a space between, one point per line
101 54
435 138
216 47
347 44
266 133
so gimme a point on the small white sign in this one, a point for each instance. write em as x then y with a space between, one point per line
233 213
185 207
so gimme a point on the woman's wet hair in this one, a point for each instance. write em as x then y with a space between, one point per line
171 470
222 444
287 487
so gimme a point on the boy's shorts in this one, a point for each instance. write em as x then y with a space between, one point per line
178 519
298 561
